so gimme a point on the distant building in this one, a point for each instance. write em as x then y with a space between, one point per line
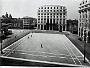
72 26
12 22
52 17
84 20
27 22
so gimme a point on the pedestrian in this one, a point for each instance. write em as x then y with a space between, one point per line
15 36
41 46
31 35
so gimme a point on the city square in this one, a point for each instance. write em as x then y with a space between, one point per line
45 33
53 49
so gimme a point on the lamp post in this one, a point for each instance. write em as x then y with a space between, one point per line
84 51
85 41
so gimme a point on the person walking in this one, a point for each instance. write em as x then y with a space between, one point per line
41 46
31 35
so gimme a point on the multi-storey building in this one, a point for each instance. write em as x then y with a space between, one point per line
27 21
52 17
84 20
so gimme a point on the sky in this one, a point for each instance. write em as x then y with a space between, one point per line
21 8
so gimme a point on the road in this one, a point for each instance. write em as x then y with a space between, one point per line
42 47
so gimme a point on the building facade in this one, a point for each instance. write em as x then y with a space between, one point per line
84 20
52 17
72 26
27 21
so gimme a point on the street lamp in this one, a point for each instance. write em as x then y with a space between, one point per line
85 39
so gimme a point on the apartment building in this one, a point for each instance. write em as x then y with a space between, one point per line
52 17
84 20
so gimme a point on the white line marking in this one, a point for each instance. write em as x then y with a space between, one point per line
79 51
70 54
43 52
41 61
72 51
45 56
15 42
14 48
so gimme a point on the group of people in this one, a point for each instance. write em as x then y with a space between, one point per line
31 35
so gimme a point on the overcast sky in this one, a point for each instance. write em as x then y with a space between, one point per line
21 8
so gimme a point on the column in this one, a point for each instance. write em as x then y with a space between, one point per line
49 21
65 25
62 23
43 27
52 23
83 33
87 36
80 32
37 23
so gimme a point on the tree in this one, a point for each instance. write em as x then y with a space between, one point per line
10 16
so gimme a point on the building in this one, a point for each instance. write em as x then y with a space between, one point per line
28 22
84 20
72 26
12 22
52 17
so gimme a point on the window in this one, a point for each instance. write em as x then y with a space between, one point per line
64 14
38 13
41 10
48 7
38 10
47 13
41 7
44 13
41 13
51 10
38 21
54 7
60 10
60 13
45 7
47 16
57 7
41 16
61 7
38 16
57 10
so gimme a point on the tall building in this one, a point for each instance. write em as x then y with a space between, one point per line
52 17
84 20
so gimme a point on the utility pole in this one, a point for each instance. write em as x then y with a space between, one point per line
84 51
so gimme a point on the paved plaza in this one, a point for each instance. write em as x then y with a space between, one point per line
43 47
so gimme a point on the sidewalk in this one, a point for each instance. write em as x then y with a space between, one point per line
79 44
14 37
